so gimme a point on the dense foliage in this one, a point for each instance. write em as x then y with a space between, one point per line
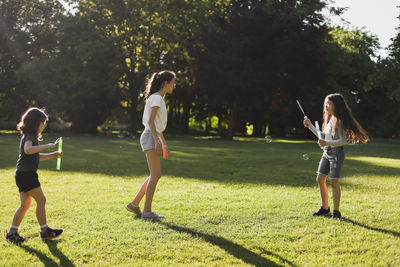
241 64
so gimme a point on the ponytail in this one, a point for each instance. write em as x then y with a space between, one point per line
156 82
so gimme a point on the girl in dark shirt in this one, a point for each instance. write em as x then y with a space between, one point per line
31 127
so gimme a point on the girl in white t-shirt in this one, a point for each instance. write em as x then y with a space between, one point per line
152 140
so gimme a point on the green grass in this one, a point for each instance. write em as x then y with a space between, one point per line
241 202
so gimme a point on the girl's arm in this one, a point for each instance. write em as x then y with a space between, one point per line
341 141
46 156
152 126
30 149
307 123
165 147
163 141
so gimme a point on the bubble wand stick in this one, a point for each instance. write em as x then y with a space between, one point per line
318 130
59 151
305 117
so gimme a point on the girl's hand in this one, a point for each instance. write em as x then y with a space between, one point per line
165 152
51 146
321 142
159 149
58 154
307 123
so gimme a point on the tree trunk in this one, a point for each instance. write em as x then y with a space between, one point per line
185 117
258 129
233 123
135 80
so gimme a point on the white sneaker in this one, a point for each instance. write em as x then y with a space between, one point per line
132 208
151 216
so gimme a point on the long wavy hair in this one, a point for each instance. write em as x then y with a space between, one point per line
30 122
156 82
355 133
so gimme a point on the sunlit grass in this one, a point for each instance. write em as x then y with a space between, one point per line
378 161
242 202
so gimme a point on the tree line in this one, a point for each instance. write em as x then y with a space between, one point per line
240 64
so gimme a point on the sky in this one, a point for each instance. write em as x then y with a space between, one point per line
377 16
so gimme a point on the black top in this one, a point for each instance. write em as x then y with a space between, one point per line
28 162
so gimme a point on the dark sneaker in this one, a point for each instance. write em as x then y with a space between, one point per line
336 215
51 233
323 212
15 238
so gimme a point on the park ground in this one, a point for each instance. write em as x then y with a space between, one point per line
243 202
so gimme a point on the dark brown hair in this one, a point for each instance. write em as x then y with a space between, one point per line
156 82
354 131
30 122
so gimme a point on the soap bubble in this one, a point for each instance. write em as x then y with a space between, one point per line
306 157
268 139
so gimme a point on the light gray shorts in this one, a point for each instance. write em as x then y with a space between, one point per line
331 162
147 141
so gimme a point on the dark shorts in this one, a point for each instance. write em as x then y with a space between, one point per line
26 180
331 162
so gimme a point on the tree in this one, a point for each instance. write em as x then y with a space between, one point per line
27 31
254 64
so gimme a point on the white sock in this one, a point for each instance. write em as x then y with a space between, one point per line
13 229
43 228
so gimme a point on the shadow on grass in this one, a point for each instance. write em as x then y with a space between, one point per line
64 261
390 232
235 250
42 257
52 245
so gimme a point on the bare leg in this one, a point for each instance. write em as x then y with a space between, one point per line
23 208
153 161
323 190
335 193
40 199
141 192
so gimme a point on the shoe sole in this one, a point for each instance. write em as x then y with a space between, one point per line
152 218
15 242
323 215
49 238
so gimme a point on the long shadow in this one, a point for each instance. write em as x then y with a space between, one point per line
42 257
64 261
390 232
235 250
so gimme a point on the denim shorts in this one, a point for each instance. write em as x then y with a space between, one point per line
147 141
331 162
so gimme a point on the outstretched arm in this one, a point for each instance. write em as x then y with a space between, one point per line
52 155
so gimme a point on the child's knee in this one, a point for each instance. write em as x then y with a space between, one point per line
335 184
41 201
320 179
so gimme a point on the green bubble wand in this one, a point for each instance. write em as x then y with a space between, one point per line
59 157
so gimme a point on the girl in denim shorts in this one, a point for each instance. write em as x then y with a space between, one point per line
339 127
152 139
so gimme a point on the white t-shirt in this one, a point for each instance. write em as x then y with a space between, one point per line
155 100
340 135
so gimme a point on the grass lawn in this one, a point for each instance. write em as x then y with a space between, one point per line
242 202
